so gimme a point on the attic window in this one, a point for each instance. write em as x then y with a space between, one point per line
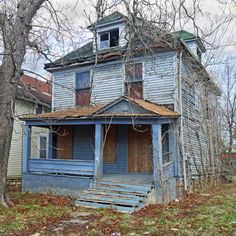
199 54
109 39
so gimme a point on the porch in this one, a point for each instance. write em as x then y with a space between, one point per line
121 149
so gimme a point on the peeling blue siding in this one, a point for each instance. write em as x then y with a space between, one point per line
83 143
121 165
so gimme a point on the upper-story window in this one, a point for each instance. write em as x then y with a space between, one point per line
39 109
109 39
134 80
199 54
83 88
197 98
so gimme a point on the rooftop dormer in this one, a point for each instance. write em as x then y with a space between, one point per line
193 42
110 31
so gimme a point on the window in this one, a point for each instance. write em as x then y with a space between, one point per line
83 85
134 80
43 140
199 54
165 144
109 39
39 109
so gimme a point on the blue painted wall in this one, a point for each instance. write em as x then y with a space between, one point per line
84 142
55 184
121 164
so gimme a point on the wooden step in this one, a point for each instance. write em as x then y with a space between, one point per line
129 186
111 193
137 192
113 200
126 209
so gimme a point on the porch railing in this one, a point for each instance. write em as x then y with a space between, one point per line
69 167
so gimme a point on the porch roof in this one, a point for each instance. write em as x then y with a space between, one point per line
149 109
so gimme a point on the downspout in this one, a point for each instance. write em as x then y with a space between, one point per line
181 122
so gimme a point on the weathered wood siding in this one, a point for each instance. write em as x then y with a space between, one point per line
108 81
194 126
63 90
159 78
15 159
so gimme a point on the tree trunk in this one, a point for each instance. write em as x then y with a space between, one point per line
15 33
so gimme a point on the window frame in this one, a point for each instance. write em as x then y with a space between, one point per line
39 146
134 81
35 111
83 89
76 80
108 32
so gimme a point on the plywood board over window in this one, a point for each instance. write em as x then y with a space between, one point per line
140 149
64 142
109 152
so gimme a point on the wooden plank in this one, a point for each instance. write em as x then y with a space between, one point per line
137 192
109 151
129 186
65 142
62 167
125 202
110 193
139 149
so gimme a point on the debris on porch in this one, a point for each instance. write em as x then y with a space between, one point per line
118 196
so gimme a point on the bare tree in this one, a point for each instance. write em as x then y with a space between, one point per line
228 84
22 29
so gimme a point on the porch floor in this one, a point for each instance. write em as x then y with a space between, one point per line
131 178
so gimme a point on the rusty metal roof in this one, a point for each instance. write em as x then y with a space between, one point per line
93 111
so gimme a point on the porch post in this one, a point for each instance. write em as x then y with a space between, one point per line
98 171
173 147
157 161
26 148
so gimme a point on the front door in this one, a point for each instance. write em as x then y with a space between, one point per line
139 149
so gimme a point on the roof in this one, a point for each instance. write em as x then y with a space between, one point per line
34 90
94 111
185 35
115 16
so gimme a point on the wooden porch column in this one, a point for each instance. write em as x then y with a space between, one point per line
98 171
26 148
173 147
157 161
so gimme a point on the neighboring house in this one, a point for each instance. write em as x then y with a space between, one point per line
234 142
121 126
33 97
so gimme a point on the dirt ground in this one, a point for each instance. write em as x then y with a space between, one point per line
203 213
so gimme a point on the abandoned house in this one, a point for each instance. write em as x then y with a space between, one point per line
123 127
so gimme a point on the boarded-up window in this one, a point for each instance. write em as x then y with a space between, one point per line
64 142
109 152
83 88
134 80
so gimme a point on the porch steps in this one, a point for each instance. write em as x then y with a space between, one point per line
115 195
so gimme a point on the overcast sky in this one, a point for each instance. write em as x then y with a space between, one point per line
210 9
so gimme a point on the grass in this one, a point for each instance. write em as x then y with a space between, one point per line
199 214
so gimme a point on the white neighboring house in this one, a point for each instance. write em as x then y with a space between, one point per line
33 97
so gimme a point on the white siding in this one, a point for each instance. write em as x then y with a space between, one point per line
16 152
63 90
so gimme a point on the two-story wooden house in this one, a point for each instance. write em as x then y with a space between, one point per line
120 124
